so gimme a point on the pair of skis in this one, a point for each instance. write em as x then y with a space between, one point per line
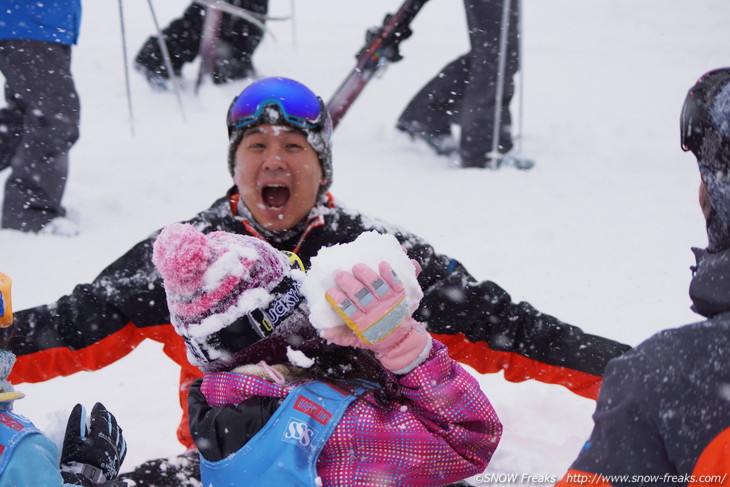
381 47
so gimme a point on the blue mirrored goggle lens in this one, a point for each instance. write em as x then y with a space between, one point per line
294 100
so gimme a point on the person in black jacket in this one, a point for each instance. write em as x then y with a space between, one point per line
464 93
663 414
237 40
280 159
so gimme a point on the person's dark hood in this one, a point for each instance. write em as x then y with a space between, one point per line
710 286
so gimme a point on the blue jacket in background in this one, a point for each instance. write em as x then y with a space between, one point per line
55 21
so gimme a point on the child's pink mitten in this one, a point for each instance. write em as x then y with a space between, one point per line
376 313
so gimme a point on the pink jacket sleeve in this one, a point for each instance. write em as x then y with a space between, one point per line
450 404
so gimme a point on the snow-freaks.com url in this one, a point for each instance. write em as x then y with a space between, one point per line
575 478
667 478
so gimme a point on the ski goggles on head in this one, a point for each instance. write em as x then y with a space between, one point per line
295 102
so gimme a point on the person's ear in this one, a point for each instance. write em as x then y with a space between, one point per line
704 198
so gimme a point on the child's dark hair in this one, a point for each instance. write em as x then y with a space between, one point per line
344 367
347 367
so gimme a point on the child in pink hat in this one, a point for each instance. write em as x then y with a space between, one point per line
375 401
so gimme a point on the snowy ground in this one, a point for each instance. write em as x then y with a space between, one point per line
597 234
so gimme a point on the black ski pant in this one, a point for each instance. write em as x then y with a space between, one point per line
464 92
237 37
180 471
37 128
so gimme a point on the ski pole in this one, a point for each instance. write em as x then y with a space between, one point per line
130 112
506 5
293 25
233 10
521 101
242 13
208 44
168 61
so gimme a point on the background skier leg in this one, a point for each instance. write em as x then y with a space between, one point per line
180 471
431 112
484 20
182 37
239 39
39 81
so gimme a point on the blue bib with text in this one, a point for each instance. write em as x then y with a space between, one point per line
285 451
13 428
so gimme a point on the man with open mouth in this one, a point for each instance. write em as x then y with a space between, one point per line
280 161
278 176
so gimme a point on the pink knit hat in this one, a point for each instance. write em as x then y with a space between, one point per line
225 292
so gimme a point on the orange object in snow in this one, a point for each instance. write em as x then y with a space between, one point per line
6 304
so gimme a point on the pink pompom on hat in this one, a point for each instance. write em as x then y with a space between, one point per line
225 292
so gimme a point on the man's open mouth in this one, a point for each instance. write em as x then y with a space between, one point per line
275 196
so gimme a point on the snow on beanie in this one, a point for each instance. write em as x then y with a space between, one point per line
225 292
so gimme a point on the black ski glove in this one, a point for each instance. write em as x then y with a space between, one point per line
83 481
95 451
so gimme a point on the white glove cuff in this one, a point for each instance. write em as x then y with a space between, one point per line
418 360
96 475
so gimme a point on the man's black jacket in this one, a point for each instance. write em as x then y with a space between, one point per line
100 322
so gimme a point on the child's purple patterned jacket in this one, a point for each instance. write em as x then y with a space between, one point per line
443 431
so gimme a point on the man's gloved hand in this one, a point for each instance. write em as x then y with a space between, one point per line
95 451
377 316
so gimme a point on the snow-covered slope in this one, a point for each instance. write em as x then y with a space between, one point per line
598 234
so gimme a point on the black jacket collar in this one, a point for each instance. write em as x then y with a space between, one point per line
710 286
